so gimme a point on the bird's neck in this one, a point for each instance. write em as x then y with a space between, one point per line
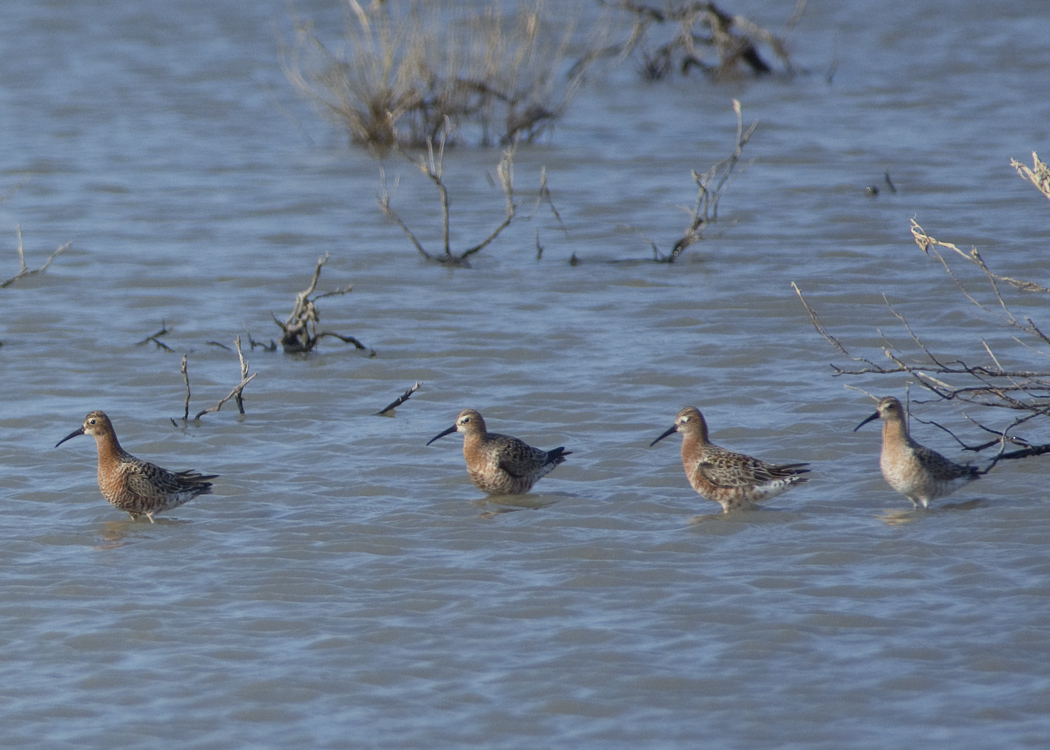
693 440
472 441
109 450
895 435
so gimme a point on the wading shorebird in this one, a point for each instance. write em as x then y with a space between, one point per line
915 471
500 464
129 484
732 480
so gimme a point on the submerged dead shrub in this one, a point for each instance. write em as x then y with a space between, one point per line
998 376
404 67
677 36
299 330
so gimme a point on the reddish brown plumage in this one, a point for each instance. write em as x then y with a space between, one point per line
137 487
500 464
733 480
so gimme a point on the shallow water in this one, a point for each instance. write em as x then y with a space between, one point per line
346 585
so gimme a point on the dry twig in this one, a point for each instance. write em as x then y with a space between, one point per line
26 271
1038 175
236 394
388 410
185 379
928 244
544 196
155 338
711 185
267 347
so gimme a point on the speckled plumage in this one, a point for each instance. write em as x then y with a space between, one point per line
733 480
137 487
500 464
917 472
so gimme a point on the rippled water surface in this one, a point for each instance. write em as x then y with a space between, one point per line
346 585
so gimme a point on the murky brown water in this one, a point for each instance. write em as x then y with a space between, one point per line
346 585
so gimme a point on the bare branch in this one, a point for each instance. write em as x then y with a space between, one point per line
244 376
545 197
270 347
26 271
993 384
819 325
1038 175
155 338
1035 450
186 380
926 243
505 170
384 204
236 393
432 165
345 339
711 185
388 410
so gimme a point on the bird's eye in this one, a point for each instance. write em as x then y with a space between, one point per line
91 421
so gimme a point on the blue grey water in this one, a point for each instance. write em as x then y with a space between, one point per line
346 586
